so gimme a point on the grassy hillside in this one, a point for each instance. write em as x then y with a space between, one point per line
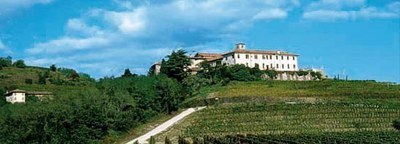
28 79
276 108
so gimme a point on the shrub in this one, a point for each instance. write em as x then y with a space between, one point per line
19 64
396 124
28 81
167 141
53 68
152 140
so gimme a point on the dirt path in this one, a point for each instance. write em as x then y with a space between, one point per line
143 139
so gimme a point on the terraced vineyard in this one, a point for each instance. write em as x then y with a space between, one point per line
260 118
294 112
326 138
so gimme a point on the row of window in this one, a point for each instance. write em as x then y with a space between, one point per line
270 66
266 57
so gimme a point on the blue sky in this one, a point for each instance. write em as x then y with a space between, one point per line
359 38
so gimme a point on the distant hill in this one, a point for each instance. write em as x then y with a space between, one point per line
28 78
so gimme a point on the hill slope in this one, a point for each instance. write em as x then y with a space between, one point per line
277 109
28 79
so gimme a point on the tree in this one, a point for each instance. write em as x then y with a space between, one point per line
182 140
53 68
167 141
396 124
240 73
28 81
42 78
19 64
176 65
5 62
168 92
127 73
152 140
74 75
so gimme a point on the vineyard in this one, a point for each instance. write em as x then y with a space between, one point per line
294 112
326 138
309 89
277 119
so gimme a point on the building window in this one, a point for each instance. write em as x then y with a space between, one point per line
247 56
288 66
272 66
263 56
263 66
267 67
270 57
287 57
255 56
294 66
282 57
247 64
238 56
277 66
276 57
294 58
283 66
233 56
226 58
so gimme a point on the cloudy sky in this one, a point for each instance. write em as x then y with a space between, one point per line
359 38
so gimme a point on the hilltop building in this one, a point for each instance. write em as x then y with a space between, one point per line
19 96
284 63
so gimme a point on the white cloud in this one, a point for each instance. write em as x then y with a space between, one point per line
136 36
127 22
331 10
271 14
67 44
327 15
10 6
79 27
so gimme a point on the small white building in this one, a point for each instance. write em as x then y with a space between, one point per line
19 96
15 96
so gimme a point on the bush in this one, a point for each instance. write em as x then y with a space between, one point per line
167 141
5 62
28 81
152 140
19 64
396 124
53 68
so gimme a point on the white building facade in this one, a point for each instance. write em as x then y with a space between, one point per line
264 60
15 96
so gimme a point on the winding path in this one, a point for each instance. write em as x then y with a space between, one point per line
143 139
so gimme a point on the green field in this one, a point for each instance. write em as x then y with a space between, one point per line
275 109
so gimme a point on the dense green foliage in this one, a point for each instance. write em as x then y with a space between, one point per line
53 68
223 74
127 73
5 61
396 124
176 65
115 105
19 64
